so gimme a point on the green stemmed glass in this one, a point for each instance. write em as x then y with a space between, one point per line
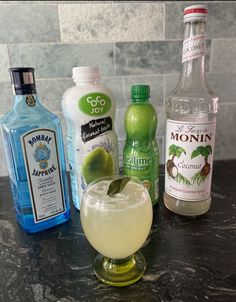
117 226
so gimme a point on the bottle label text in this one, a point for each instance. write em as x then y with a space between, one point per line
189 158
43 173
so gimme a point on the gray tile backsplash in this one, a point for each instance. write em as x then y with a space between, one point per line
51 92
115 84
221 19
57 60
106 22
224 55
135 58
120 123
132 42
6 97
24 23
225 146
4 63
155 82
224 85
226 119
143 58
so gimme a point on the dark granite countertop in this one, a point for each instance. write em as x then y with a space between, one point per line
188 259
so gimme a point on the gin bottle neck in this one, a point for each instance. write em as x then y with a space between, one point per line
193 56
26 100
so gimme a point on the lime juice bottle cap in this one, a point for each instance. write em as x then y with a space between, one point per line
140 93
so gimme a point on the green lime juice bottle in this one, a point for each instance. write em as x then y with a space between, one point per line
141 154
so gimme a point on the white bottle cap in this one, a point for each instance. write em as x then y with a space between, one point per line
86 73
195 13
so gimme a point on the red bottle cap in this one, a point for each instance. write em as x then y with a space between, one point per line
195 13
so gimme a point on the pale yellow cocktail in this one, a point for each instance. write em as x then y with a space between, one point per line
116 226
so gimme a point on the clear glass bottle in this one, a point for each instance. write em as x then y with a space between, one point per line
32 139
190 129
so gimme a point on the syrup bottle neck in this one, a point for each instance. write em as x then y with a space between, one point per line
193 56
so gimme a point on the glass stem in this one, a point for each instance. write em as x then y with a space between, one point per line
118 265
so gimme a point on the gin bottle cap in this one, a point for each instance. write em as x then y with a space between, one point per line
195 13
22 80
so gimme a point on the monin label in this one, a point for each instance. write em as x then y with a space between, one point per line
189 156
43 173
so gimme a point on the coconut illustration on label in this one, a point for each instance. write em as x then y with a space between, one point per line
200 176
98 163
172 169
197 178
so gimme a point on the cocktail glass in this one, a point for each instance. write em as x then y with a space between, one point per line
117 227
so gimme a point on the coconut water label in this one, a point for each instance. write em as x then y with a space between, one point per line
43 173
145 166
95 148
193 47
95 104
189 159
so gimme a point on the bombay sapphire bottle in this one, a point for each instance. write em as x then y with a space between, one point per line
33 145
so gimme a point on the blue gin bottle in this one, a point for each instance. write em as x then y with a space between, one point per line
33 145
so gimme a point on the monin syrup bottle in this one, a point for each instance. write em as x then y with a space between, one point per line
190 128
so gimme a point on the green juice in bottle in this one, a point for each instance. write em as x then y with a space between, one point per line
141 155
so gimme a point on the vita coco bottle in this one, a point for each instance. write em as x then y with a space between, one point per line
190 129
89 111
32 140
141 155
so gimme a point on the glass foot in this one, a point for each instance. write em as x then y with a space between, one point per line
122 272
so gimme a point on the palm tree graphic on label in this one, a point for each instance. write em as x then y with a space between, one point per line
201 175
172 170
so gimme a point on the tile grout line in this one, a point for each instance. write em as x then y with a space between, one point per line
9 57
164 89
114 59
109 42
125 76
164 23
59 23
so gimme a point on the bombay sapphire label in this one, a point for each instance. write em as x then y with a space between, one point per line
43 173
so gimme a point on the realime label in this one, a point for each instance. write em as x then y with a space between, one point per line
137 163
143 165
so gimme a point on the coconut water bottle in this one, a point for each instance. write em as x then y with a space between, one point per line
89 111
190 128
141 154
